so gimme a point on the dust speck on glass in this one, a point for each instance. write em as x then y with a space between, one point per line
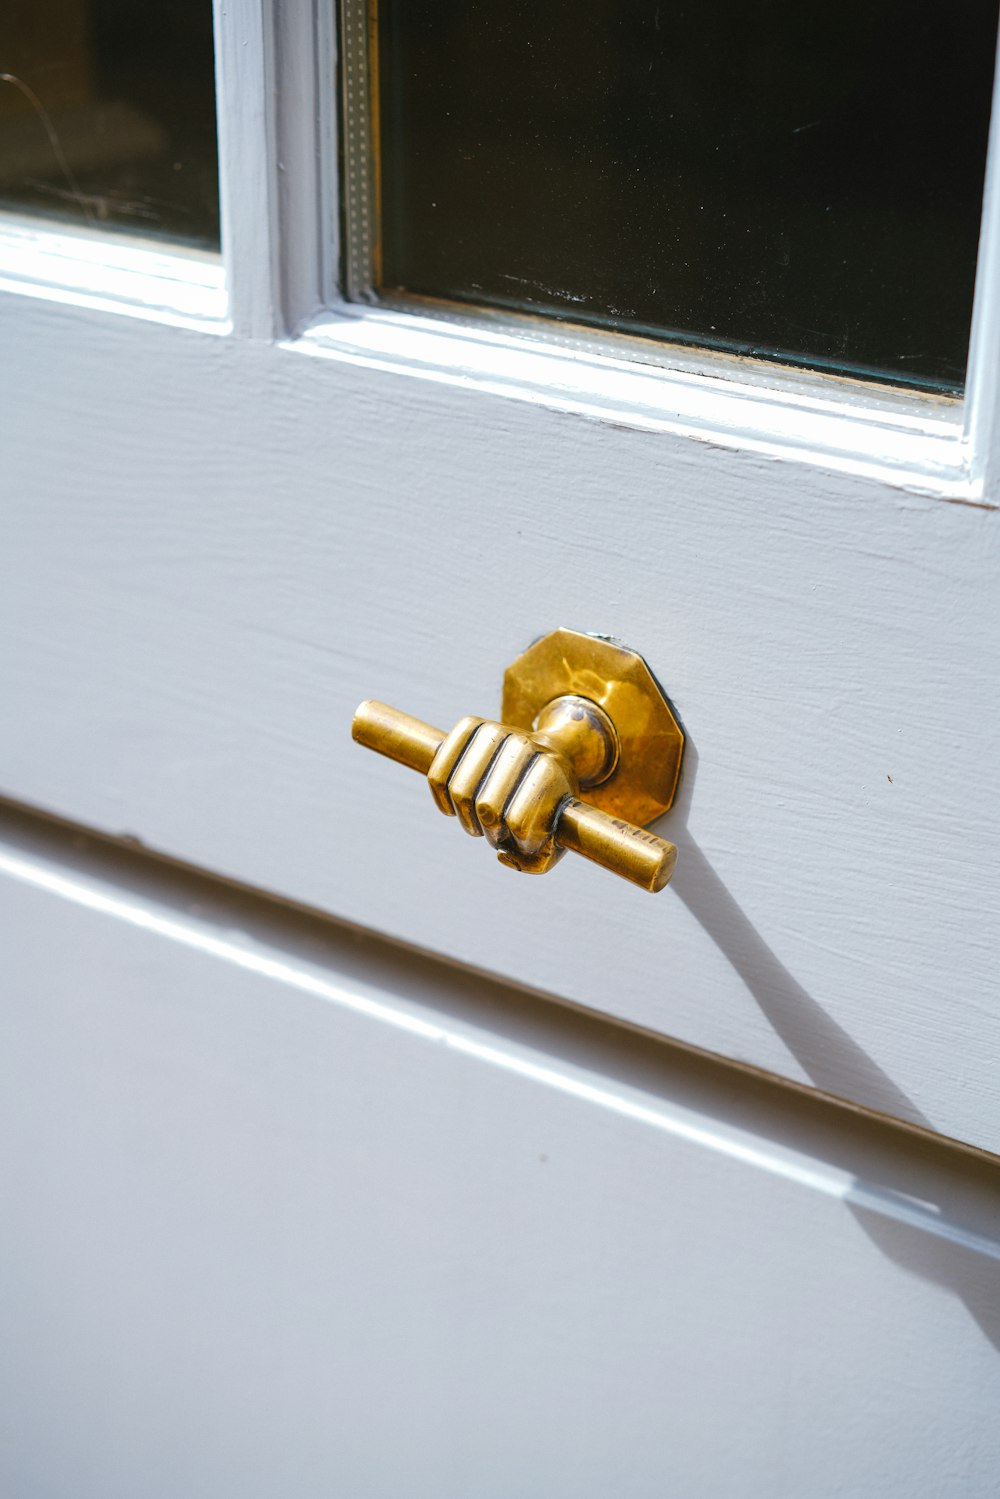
107 115
792 180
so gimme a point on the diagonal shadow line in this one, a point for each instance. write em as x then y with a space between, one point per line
597 1044
837 1065
830 1057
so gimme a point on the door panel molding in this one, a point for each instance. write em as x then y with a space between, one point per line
275 1189
189 629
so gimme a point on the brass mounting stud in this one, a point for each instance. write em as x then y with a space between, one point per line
632 716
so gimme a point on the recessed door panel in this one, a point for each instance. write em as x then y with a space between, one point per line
286 1214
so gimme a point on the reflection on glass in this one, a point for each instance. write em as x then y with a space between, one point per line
107 115
790 179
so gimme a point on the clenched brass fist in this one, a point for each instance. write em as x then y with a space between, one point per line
505 785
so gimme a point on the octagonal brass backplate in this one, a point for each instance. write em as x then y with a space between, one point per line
651 742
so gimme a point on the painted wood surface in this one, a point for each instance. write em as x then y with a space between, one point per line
214 545
288 1212
214 548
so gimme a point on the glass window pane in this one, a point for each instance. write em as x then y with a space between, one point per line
790 179
107 115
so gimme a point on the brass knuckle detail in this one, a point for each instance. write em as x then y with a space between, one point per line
588 747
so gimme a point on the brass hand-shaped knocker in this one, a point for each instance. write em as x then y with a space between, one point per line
507 786
588 748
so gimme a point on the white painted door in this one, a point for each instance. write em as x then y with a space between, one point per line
234 506
290 1211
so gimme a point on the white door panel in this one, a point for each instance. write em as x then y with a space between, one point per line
290 1215
292 1209
215 548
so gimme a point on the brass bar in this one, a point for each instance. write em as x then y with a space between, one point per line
618 846
389 732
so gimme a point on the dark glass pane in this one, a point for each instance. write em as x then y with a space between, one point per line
792 178
107 114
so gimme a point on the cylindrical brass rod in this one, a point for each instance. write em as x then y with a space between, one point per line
389 732
620 847
623 848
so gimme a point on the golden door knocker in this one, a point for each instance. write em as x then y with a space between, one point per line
587 753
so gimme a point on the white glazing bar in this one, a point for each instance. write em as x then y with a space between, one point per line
244 73
982 388
305 133
915 443
113 273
